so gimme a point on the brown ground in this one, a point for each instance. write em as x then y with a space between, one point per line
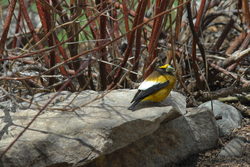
208 158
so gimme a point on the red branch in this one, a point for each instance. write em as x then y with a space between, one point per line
32 30
103 51
6 26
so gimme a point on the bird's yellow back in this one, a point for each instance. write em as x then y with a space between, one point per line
164 92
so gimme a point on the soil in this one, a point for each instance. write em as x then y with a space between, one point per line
209 158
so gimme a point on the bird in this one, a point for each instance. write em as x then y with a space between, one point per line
156 87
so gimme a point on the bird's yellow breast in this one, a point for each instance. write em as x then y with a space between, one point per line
164 92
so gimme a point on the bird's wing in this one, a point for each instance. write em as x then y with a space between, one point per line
150 81
140 95
147 84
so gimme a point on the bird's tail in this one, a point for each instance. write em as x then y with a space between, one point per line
134 104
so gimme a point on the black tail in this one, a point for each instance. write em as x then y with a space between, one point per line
134 104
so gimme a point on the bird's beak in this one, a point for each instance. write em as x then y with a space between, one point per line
170 69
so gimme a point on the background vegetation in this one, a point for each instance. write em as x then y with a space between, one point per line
74 45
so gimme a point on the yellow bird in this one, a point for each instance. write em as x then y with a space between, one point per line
156 87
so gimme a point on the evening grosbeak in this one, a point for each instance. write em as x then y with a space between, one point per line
156 87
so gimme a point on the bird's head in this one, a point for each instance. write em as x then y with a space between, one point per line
166 68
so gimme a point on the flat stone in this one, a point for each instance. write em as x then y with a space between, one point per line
58 137
172 142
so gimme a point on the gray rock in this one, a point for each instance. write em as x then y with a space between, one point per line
74 138
233 149
172 142
231 117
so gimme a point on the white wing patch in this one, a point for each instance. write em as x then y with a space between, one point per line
147 84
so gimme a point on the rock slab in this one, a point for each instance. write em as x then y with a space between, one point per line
61 137
172 142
